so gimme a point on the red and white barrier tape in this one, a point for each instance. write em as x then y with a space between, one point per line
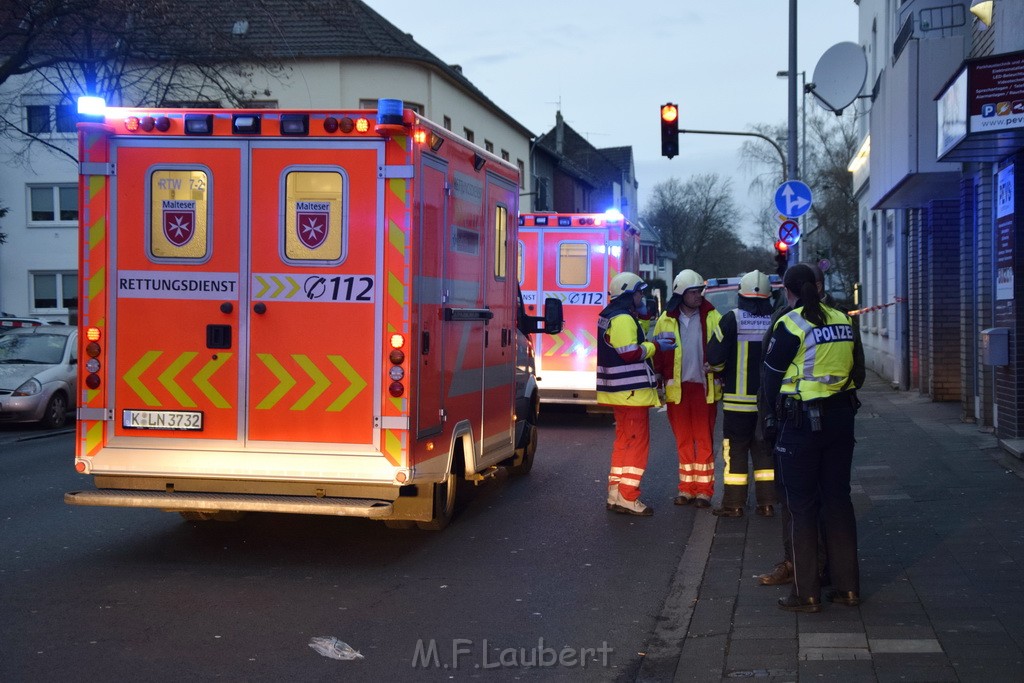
896 300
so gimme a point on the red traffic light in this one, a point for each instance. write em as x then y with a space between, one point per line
781 247
669 129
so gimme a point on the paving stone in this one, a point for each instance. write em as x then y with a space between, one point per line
764 653
845 671
837 653
820 639
904 645
757 632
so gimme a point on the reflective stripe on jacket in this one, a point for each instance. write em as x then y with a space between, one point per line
673 360
737 341
623 381
824 359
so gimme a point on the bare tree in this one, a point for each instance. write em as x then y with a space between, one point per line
128 52
830 227
697 221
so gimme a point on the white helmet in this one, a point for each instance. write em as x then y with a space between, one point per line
687 279
626 283
755 284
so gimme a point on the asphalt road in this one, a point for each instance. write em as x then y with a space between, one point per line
534 579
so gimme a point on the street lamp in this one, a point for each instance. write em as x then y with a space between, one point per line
803 117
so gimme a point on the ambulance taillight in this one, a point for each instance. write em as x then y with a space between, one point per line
396 373
92 350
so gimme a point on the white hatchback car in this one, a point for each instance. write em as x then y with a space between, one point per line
38 374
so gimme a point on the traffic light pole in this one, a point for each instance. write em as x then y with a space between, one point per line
782 156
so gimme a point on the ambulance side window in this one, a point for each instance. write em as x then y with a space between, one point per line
500 242
179 214
519 261
573 264
314 216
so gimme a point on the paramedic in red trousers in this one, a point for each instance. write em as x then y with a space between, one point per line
809 378
625 381
735 351
690 388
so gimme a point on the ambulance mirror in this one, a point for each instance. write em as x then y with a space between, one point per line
552 315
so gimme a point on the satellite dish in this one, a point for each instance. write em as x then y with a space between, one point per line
839 77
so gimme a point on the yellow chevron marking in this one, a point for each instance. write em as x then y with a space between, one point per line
396 236
556 343
131 377
295 287
392 446
396 290
96 283
284 382
357 384
167 378
280 287
93 437
320 382
264 286
202 380
398 186
570 345
591 341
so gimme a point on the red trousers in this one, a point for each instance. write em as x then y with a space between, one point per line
693 423
629 452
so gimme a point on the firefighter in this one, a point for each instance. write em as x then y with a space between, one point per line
691 389
625 381
809 377
735 351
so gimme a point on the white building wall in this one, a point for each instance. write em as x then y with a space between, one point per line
308 85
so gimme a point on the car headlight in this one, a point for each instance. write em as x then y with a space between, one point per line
29 388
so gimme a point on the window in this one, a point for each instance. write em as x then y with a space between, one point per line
447 123
372 104
179 214
468 134
519 261
573 261
314 216
258 104
505 155
50 118
500 242
54 292
522 174
489 146
50 204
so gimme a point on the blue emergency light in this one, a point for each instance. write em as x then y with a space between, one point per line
390 111
91 108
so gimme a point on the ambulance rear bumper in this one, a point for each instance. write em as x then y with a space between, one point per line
242 502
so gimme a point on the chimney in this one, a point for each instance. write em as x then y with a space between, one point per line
559 132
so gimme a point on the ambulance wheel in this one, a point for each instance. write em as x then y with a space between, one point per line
218 516
444 504
523 462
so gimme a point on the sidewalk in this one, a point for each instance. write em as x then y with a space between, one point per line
940 513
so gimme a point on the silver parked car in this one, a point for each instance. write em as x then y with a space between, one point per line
38 374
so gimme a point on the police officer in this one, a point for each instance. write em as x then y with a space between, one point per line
734 350
808 378
626 382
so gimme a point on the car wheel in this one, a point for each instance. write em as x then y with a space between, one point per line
523 462
56 412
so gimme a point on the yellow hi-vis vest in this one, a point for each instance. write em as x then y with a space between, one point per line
824 359
674 384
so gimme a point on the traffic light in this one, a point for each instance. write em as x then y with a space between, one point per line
669 130
781 257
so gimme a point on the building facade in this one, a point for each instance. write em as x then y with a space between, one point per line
938 203
347 58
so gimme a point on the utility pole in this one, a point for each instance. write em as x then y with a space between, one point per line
794 170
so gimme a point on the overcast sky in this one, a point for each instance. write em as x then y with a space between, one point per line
610 65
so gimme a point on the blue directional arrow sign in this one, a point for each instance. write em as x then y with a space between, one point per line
793 198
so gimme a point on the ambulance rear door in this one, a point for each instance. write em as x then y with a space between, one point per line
246 310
